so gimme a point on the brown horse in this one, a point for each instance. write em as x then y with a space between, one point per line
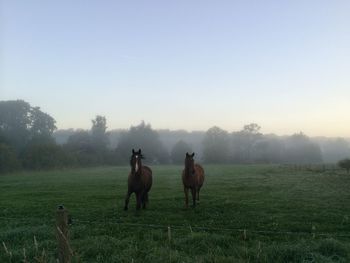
192 178
139 181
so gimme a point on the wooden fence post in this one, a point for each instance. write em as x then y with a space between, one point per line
169 234
64 251
313 229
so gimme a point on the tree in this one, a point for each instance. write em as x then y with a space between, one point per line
80 146
300 149
99 136
142 137
80 141
44 156
61 136
215 145
195 139
90 148
252 128
19 123
269 149
8 159
42 124
248 145
335 149
178 152
345 164
14 122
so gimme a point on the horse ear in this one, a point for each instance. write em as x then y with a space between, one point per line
139 151
187 154
192 155
133 151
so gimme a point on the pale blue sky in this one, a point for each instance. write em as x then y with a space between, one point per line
181 64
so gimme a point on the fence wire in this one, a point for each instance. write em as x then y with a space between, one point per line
77 221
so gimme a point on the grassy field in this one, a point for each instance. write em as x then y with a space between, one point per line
287 215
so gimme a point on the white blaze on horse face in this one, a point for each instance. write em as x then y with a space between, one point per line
137 163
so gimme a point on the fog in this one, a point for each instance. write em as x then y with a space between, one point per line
29 139
243 146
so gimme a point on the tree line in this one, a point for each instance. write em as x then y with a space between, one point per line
29 139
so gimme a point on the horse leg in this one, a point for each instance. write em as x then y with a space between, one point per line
127 198
194 196
138 201
198 194
186 196
145 200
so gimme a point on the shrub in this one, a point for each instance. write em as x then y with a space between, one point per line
45 156
345 164
8 159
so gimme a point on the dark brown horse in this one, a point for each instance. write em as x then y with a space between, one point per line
139 181
192 178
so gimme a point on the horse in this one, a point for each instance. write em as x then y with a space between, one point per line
139 181
192 178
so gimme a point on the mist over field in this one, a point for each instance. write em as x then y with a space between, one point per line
30 140
262 148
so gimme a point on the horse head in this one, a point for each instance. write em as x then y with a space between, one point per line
135 161
189 163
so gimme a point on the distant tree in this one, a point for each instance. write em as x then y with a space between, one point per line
3 139
269 149
41 155
248 145
8 159
335 149
80 146
61 136
114 137
252 128
178 152
99 135
144 137
345 164
80 141
42 124
194 138
300 149
14 122
90 148
216 145
19 123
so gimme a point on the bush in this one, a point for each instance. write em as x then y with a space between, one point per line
45 156
8 159
345 164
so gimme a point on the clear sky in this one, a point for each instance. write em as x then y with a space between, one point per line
181 64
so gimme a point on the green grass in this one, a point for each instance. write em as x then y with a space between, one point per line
279 208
